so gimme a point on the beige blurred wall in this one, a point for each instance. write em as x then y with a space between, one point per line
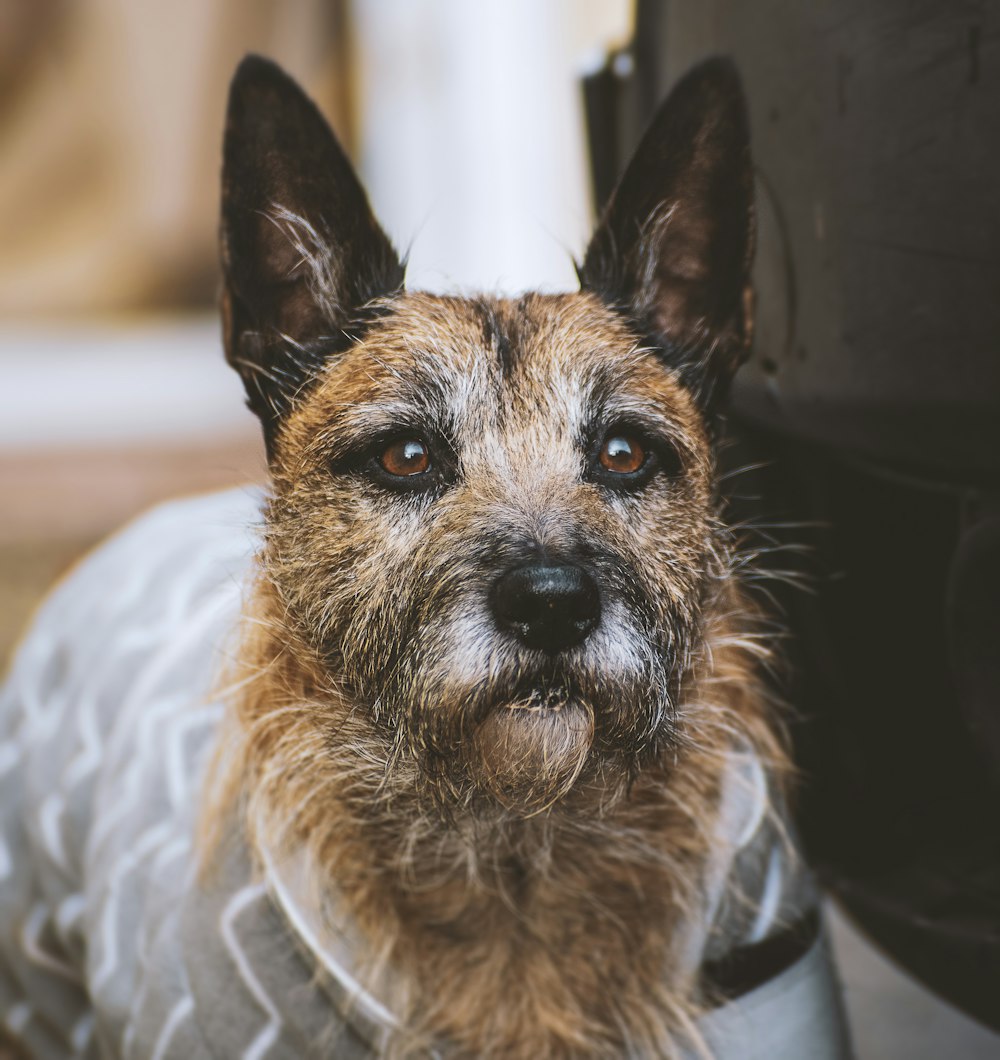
111 116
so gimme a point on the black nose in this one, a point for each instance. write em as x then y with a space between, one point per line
551 607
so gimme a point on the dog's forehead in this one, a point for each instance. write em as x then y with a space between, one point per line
535 352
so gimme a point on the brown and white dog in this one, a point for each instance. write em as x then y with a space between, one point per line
497 669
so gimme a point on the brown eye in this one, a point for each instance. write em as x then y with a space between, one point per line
406 457
622 454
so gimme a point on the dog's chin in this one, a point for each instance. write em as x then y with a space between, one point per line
529 752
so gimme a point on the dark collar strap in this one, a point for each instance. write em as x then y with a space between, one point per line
746 967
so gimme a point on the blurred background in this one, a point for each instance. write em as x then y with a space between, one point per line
464 119
486 132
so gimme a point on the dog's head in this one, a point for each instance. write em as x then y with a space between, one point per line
493 521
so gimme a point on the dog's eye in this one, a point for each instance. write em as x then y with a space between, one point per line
406 457
628 458
622 454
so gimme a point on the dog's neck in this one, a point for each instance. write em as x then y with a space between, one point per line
500 936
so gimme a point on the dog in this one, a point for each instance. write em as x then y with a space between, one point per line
465 747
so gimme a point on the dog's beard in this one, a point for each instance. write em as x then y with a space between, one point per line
491 727
528 752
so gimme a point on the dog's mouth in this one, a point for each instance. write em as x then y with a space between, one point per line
540 695
527 737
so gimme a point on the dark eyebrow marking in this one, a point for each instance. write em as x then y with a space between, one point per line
497 336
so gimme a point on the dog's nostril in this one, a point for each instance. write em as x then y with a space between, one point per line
551 607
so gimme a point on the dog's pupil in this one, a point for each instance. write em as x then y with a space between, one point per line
408 456
622 454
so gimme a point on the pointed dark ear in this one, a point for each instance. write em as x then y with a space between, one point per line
302 254
674 247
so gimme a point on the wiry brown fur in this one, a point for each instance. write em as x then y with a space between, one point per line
521 871
519 830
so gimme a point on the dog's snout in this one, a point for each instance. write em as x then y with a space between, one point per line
548 606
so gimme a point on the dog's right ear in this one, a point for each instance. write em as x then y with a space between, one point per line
302 254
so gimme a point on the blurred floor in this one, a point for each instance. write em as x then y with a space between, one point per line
892 1016
97 423
27 569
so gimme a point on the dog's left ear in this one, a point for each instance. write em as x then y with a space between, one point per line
302 254
674 247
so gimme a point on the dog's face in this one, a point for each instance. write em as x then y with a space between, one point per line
493 520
